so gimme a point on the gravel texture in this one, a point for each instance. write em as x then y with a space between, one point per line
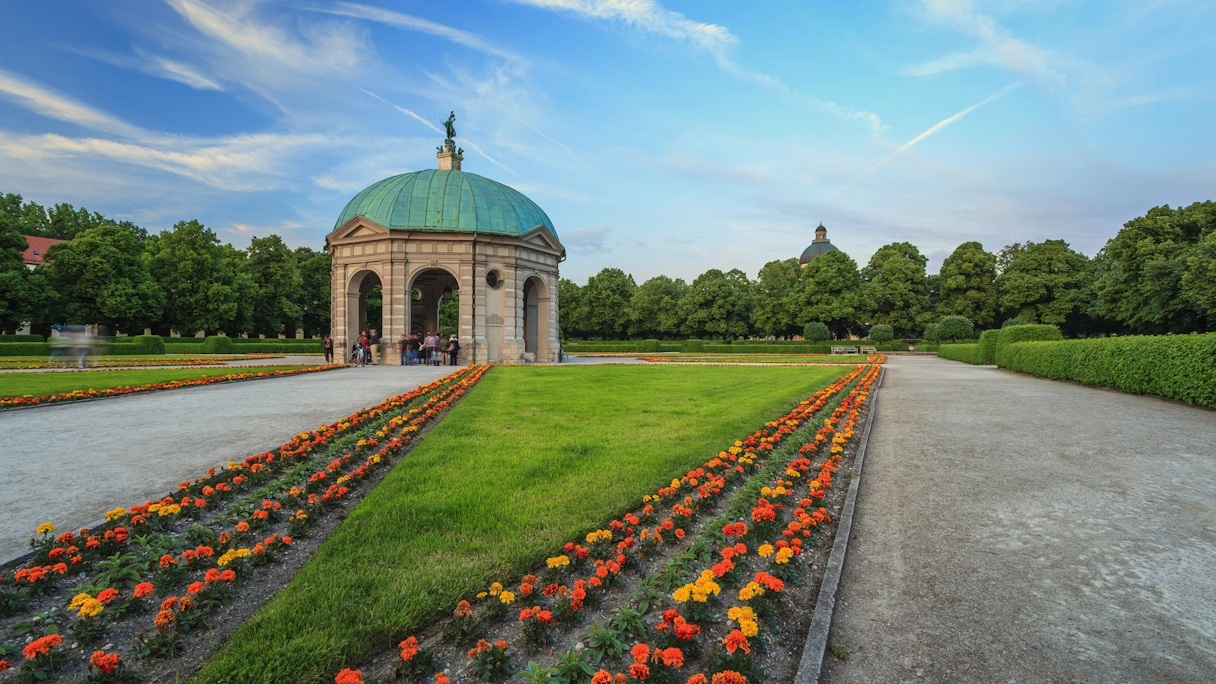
70 463
1015 529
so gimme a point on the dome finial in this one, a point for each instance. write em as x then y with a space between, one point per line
449 155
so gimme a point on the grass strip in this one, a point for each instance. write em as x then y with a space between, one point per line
530 458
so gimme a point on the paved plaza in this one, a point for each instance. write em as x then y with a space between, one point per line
1012 529
70 463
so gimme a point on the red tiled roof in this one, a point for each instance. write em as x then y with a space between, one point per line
37 248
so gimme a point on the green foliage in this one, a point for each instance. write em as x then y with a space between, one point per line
1180 367
987 352
271 265
25 349
692 345
20 384
192 269
449 314
14 276
637 346
967 353
968 284
829 291
101 277
1024 333
139 344
881 333
931 334
955 328
314 295
771 313
1146 276
894 291
1015 321
654 308
718 304
816 332
21 338
217 344
1043 282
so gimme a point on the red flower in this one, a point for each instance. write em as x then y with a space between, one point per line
144 589
409 648
107 595
42 646
104 663
195 588
639 671
640 653
349 676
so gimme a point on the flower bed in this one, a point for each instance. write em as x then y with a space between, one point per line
649 558
823 360
156 573
76 395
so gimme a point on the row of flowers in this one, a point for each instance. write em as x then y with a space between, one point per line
121 363
75 395
817 360
578 577
220 554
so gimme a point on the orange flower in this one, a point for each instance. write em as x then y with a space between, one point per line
42 646
735 641
501 643
441 678
639 671
729 677
671 657
619 678
697 679
409 648
601 677
244 527
349 676
104 663
640 653
107 595
463 609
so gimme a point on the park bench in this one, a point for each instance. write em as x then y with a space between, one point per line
869 350
844 350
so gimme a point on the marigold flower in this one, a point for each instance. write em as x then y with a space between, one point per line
163 619
409 649
639 671
601 677
45 528
103 662
107 595
729 677
697 679
43 646
144 589
735 641
640 653
195 587
441 678
5 665
765 550
671 657
349 676
242 526
506 597
463 609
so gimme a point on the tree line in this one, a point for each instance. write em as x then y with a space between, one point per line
1156 276
115 274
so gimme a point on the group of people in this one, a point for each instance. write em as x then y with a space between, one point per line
431 349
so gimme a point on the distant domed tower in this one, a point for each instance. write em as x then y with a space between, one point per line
819 246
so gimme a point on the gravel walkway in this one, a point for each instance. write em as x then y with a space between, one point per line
1014 529
70 463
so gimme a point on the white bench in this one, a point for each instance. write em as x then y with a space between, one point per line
869 350
844 350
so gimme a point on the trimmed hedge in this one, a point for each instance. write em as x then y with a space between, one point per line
218 344
638 346
9 339
967 353
1180 367
25 349
267 347
106 346
1025 333
138 344
987 353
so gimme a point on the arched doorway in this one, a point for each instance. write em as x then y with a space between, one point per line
429 290
531 306
364 305
536 319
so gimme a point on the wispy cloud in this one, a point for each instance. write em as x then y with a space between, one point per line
153 65
717 41
51 104
585 241
930 131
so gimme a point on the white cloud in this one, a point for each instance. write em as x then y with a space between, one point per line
178 71
53 105
585 241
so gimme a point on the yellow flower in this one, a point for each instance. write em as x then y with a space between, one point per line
77 600
242 553
765 550
506 597
816 485
558 562
169 510
793 473
495 589
91 607
115 514
482 594
749 628
784 555
741 613
682 594
751 591
154 508
46 528
344 478
675 483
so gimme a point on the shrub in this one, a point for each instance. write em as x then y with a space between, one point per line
183 340
1015 321
882 333
955 328
1180 367
967 353
987 354
8 339
1025 333
692 344
25 349
138 344
931 334
218 344
816 332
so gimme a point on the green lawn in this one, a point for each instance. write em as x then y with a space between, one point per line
17 384
531 458
763 358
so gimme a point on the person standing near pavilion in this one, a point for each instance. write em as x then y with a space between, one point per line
374 346
327 346
453 350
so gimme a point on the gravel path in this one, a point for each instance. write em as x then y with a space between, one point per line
1021 530
70 463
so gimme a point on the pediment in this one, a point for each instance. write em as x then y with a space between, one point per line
358 226
541 237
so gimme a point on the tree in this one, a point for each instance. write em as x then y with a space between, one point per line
654 308
894 291
1043 283
272 268
605 302
569 311
772 313
1139 275
1199 282
101 277
816 332
968 284
189 265
828 291
717 304
14 276
881 333
314 297
955 328
931 333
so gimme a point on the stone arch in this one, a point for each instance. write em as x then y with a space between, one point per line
357 286
535 302
432 283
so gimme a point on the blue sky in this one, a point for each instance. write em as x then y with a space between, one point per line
661 137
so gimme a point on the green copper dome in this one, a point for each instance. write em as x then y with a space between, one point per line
450 201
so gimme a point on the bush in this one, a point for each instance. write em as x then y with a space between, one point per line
692 344
183 340
137 344
882 333
256 346
1180 367
987 354
9 339
640 346
967 353
1025 333
218 344
931 333
25 349
1015 321
955 328
816 332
